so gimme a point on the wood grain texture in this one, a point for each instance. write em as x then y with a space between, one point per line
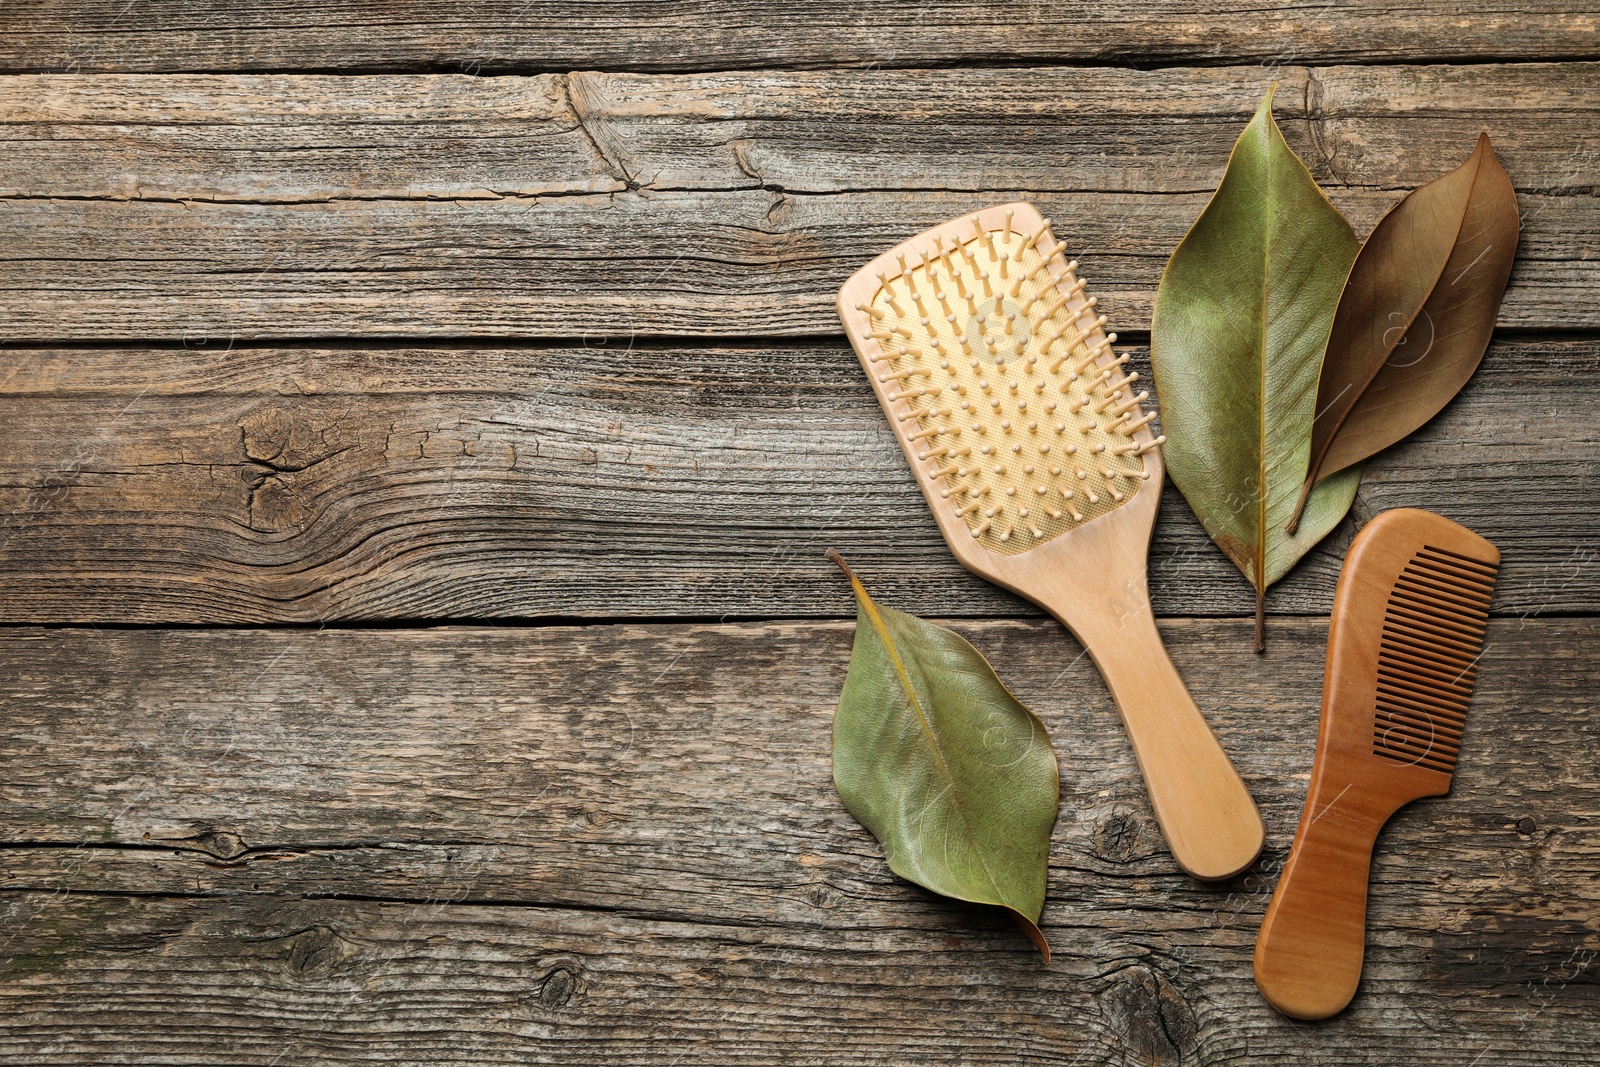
620 844
717 204
312 484
501 35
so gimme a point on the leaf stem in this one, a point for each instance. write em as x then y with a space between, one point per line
1261 619
1300 505
838 559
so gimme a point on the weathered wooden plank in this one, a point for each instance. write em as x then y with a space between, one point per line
294 138
304 983
709 204
746 262
501 35
1103 130
309 484
606 844
307 137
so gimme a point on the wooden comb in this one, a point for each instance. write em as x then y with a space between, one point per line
1026 436
1406 634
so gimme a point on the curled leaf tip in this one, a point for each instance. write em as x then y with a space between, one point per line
1029 927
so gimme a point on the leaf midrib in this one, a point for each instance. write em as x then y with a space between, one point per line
1261 363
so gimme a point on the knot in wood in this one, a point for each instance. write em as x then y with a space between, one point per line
222 844
557 988
1124 836
315 953
1150 1017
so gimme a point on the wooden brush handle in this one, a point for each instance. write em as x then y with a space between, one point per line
1204 809
1308 955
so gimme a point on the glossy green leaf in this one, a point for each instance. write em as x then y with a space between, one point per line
1240 324
1416 313
951 774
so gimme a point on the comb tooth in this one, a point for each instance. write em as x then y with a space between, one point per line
1448 723
1423 623
1403 728
1416 688
1442 689
1421 728
1455 574
1411 698
1430 643
1461 601
1468 622
1422 647
1417 738
1388 745
1459 657
1487 571
1448 720
1423 626
1472 587
1433 617
1421 652
1432 672
1442 583
1394 674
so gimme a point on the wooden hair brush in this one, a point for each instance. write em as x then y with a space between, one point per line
1026 436
1406 633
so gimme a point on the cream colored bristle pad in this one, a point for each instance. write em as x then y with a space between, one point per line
1020 413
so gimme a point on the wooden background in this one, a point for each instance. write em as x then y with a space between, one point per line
422 426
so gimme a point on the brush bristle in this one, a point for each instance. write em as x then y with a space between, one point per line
1025 420
1432 638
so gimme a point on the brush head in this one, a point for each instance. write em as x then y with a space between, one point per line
1404 643
1020 421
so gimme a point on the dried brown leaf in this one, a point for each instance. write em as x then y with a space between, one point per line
1415 315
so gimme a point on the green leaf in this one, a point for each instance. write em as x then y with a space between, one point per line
1236 341
951 774
1416 313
